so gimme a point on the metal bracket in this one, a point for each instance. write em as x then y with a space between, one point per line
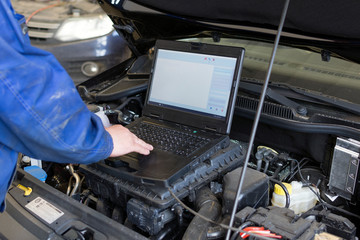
344 167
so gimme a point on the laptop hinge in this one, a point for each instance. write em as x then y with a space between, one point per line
210 129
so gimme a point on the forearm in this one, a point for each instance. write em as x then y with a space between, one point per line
43 116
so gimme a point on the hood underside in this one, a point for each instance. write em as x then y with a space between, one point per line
323 26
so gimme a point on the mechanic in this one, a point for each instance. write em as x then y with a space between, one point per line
42 115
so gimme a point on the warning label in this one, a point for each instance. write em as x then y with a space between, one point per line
45 210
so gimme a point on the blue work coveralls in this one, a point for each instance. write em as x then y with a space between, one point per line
41 113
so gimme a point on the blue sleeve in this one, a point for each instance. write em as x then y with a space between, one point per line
41 113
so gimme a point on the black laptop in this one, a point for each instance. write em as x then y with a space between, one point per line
187 113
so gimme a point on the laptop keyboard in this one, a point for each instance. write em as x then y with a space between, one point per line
169 140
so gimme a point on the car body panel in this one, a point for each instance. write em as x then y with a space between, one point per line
312 25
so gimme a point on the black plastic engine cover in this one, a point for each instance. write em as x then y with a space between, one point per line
118 191
254 192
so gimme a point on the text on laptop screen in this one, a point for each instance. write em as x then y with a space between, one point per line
192 81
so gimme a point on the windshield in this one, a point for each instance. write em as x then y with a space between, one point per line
297 67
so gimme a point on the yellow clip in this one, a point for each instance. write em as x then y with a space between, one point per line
27 190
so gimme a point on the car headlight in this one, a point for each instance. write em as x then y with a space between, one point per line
81 28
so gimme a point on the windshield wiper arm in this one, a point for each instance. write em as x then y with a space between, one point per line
277 97
340 103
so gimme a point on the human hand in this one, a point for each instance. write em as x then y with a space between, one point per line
125 142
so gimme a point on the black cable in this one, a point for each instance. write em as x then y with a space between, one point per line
276 172
287 195
303 162
282 178
48 167
305 181
340 210
329 206
242 226
266 166
213 222
316 193
299 168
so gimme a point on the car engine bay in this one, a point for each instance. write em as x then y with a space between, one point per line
301 181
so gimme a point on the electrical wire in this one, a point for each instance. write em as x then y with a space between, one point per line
340 210
242 226
42 9
302 163
213 222
329 206
308 184
287 195
276 172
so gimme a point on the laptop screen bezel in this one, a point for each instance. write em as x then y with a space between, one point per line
197 120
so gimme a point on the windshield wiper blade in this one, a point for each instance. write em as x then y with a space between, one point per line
296 108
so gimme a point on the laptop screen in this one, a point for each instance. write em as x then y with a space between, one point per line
194 82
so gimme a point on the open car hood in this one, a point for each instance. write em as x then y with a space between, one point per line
323 26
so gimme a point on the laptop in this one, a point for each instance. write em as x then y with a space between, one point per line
190 97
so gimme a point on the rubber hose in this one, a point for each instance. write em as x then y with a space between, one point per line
209 207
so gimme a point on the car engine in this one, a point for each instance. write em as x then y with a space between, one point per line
300 183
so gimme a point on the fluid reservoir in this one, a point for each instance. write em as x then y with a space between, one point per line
301 198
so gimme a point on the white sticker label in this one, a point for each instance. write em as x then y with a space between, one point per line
45 210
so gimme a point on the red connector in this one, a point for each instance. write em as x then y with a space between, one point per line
260 231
